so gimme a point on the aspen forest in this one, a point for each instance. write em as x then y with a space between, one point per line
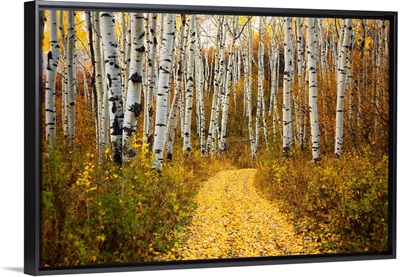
171 137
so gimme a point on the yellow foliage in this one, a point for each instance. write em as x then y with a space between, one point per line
232 221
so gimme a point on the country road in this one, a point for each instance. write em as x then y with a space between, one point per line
233 220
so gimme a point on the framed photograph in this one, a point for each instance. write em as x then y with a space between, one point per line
169 136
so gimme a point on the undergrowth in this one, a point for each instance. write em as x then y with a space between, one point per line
95 212
341 203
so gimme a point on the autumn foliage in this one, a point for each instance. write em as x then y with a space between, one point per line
227 204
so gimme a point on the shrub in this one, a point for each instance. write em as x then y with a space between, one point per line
95 212
343 203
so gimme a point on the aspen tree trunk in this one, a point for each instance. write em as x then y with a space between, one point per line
364 53
287 79
227 90
248 88
145 72
323 63
123 58
221 83
53 57
71 69
273 58
187 143
99 83
350 80
211 139
114 93
260 84
181 69
127 62
239 69
339 49
344 65
322 48
133 106
64 77
172 123
64 99
172 113
274 64
206 74
236 69
312 55
301 83
380 56
164 83
200 92
151 60
264 118
94 95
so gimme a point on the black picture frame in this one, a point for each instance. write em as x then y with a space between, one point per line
32 136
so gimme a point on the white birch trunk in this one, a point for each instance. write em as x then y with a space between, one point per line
236 69
248 88
164 83
172 123
200 92
71 69
344 64
339 49
64 77
133 105
127 62
301 83
227 89
312 55
53 57
211 139
122 49
287 80
99 68
187 143
151 63
323 48
114 92
260 83
364 53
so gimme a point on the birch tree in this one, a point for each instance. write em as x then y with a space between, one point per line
71 72
200 91
52 62
301 82
212 132
133 106
227 87
100 83
114 93
343 67
64 77
287 79
274 70
260 85
248 86
187 143
151 63
312 87
164 83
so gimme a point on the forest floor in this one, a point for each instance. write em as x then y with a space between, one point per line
233 219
